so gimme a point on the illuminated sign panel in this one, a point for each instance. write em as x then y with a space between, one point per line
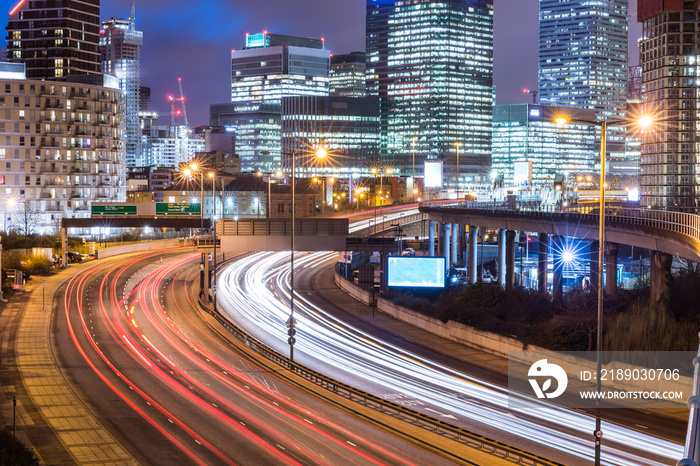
113 210
416 272
433 175
522 172
177 208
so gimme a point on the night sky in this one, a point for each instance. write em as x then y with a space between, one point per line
193 39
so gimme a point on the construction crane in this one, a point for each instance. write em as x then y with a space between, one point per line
534 94
176 111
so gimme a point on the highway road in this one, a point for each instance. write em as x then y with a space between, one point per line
176 391
254 293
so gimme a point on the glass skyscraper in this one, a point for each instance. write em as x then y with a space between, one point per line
670 173
583 55
431 64
525 134
272 66
55 39
120 44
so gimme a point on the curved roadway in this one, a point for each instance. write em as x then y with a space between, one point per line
254 292
175 391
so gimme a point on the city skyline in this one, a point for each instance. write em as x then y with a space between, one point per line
176 29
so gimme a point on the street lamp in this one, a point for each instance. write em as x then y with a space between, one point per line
291 322
194 168
643 122
457 145
413 176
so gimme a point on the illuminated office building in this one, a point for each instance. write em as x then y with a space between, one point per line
583 55
529 149
272 66
55 39
347 127
347 76
669 60
431 64
120 44
256 131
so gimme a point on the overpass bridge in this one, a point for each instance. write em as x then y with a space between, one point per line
666 233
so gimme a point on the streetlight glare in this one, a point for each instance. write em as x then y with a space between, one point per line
194 166
211 175
321 153
645 121
188 172
561 120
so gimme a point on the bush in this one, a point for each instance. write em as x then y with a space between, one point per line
650 327
12 451
38 265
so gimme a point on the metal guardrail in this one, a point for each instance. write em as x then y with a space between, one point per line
375 228
283 226
683 223
692 442
457 434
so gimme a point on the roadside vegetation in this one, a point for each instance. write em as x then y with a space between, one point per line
631 322
13 452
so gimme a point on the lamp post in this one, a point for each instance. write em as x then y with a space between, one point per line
457 145
291 322
194 168
643 122
413 176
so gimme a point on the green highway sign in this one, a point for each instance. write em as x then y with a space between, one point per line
177 208
98 209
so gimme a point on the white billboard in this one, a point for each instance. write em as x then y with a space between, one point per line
433 175
522 173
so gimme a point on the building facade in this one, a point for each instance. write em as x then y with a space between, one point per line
431 65
120 44
348 75
55 39
160 149
272 66
529 149
63 149
347 127
256 133
583 55
670 173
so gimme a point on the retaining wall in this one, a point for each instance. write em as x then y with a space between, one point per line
144 246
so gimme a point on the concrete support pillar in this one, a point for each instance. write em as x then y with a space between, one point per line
447 227
593 260
611 250
64 246
501 257
472 272
431 238
660 275
383 289
558 270
510 259
455 244
542 258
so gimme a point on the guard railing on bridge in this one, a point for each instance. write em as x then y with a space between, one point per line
683 223
381 225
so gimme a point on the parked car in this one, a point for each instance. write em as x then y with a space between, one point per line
408 252
486 277
73 257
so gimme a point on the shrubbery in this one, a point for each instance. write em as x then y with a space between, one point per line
630 322
13 452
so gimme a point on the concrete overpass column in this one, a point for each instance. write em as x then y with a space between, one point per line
593 261
542 257
447 227
455 244
660 275
558 271
471 266
510 259
611 250
431 238
501 257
